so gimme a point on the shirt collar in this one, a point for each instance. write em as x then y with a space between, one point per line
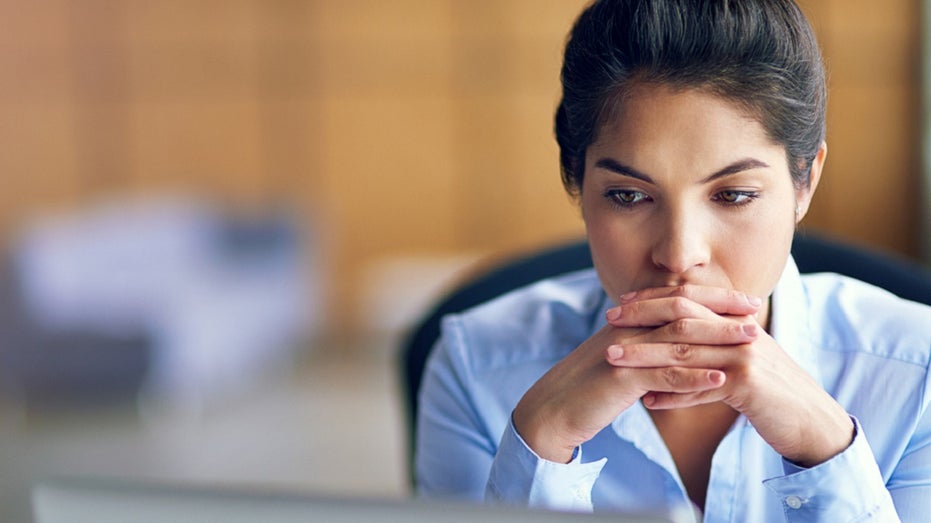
790 320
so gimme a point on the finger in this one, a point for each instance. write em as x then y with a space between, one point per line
671 379
716 332
674 400
717 299
720 331
647 355
657 311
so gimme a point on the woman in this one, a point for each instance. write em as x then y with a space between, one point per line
694 367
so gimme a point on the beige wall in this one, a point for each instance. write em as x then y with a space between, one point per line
871 192
401 127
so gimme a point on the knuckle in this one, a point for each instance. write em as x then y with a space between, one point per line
746 375
681 306
671 377
636 308
682 290
735 329
618 374
743 367
679 327
682 351
744 354
633 309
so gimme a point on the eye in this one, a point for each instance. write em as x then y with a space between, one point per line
733 197
625 197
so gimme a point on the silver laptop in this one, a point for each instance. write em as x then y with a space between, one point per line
114 501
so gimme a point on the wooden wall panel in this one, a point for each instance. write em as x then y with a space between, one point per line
37 160
386 166
200 22
870 187
401 127
869 193
210 145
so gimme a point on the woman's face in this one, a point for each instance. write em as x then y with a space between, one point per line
684 187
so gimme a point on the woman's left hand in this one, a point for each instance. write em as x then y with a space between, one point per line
786 406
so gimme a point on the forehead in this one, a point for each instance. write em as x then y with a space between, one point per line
642 89
651 115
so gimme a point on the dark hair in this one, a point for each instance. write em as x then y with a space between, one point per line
761 54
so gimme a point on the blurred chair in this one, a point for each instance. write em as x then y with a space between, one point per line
171 300
812 253
42 367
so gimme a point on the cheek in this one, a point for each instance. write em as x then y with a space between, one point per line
618 247
602 227
756 261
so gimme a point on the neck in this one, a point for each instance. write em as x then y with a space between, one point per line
763 317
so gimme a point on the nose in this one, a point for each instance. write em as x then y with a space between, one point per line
683 242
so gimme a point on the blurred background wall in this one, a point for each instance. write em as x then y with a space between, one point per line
399 129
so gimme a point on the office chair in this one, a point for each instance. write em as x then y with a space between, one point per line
812 253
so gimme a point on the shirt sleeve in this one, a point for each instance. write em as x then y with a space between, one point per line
520 477
847 487
456 458
453 452
910 484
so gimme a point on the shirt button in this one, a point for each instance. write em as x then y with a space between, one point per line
794 502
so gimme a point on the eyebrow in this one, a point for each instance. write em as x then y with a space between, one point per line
741 165
744 164
617 167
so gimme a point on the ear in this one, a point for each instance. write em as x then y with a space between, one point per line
803 196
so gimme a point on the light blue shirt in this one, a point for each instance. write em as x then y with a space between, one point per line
869 349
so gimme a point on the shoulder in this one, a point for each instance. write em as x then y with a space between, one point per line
855 316
875 360
540 322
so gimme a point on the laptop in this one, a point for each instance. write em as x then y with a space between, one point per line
84 500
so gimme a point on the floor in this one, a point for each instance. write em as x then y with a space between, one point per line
331 425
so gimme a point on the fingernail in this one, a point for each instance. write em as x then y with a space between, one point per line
628 296
614 313
615 352
754 301
716 377
750 329
649 400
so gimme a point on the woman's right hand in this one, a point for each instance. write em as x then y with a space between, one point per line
582 394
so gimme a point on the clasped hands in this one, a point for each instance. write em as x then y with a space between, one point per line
676 347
